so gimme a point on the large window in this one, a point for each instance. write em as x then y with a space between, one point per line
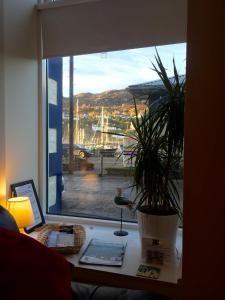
90 97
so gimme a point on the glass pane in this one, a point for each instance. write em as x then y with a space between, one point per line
104 85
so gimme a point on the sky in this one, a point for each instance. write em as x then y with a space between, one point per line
99 72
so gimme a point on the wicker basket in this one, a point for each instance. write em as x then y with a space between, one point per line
79 237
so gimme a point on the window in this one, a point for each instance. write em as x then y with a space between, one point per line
87 159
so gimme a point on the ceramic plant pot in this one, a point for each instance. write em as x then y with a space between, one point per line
155 227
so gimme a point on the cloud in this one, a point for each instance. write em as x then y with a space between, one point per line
118 69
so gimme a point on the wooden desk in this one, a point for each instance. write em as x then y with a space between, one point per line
125 276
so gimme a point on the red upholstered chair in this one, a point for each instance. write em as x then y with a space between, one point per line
28 269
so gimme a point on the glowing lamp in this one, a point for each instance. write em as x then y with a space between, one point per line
21 209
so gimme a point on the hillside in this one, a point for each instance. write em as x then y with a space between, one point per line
114 108
107 98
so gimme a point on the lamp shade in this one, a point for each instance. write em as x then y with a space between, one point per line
21 210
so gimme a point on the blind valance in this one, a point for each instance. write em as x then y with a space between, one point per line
103 25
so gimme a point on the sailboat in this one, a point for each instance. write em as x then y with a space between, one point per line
102 140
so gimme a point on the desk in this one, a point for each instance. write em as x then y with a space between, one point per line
125 276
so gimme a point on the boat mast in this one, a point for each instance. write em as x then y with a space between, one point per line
102 126
107 129
77 140
71 114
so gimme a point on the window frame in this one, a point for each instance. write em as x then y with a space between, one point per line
43 165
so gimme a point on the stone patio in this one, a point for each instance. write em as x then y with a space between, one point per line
88 194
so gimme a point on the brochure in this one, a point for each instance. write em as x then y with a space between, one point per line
148 271
103 253
60 239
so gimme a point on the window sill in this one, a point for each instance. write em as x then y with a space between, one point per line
49 5
88 221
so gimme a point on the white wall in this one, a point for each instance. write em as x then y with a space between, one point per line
20 92
2 120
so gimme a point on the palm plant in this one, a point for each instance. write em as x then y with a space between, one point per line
158 147
156 190
170 112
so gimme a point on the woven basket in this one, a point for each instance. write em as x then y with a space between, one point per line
79 237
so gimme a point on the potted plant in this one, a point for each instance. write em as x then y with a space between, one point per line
157 154
158 149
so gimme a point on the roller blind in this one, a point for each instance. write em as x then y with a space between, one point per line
103 25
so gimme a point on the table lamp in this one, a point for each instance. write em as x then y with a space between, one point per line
20 208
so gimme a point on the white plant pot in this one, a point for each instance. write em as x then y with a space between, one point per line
162 228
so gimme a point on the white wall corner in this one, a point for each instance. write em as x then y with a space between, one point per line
21 91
